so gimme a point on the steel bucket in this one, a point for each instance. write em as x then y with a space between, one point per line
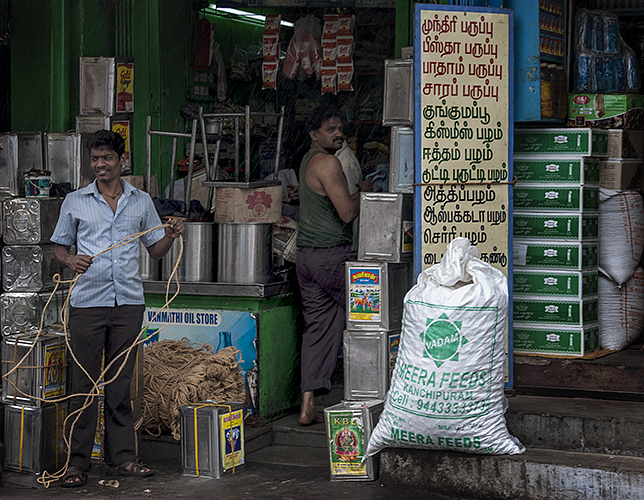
245 253
148 267
195 265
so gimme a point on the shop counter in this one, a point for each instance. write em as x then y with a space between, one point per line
263 321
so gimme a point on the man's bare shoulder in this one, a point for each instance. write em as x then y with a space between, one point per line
324 165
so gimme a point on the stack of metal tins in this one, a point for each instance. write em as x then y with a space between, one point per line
375 287
556 211
106 103
32 418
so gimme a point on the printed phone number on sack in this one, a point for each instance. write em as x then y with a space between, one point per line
455 408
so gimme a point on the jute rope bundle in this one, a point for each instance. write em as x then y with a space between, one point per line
177 373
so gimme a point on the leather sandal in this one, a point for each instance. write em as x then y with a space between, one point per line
77 475
130 469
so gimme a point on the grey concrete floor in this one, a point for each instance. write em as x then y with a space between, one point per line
302 475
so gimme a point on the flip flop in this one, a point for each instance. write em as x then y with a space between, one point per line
74 472
130 469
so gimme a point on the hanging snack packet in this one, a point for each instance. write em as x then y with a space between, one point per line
272 24
346 23
271 48
329 52
269 72
329 80
345 76
345 49
331 22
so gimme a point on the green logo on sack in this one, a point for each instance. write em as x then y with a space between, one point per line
442 338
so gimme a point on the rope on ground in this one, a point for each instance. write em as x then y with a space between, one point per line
178 373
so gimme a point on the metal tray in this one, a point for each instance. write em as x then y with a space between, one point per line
398 105
206 431
34 438
46 377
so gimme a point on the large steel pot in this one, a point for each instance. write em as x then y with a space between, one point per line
245 253
148 267
195 265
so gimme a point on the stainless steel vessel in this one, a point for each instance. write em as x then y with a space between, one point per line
30 268
19 153
245 253
386 227
22 311
195 265
148 267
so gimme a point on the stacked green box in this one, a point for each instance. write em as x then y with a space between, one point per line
556 231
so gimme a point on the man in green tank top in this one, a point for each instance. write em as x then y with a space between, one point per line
324 245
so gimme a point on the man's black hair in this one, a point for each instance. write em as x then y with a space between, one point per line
107 139
319 115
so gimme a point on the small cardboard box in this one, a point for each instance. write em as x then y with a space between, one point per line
247 205
555 311
571 170
545 340
556 225
556 198
625 143
555 283
606 111
555 255
621 174
139 182
561 141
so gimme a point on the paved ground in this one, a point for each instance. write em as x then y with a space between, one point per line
259 480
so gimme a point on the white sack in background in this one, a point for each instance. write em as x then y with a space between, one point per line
446 392
621 311
621 233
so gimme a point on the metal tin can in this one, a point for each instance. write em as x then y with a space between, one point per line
212 438
349 425
366 363
30 268
375 293
386 227
22 311
46 359
401 160
29 221
34 437
63 157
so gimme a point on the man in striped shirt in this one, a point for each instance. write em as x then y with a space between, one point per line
107 303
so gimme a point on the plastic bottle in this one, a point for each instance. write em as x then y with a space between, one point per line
554 90
563 92
224 340
546 92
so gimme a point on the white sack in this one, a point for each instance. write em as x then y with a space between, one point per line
621 311
447 386
621 233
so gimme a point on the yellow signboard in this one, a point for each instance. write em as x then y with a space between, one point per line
464 127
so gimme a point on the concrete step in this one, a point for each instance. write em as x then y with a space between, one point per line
535 475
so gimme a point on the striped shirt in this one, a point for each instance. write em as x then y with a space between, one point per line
87 220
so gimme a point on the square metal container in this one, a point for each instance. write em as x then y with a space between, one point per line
386 227
349 425
375 293
19 153
401 160
206 447
105 85
46 382
29 221
21 311
63 157
398 105
366 363
86 126
34 437
30 268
